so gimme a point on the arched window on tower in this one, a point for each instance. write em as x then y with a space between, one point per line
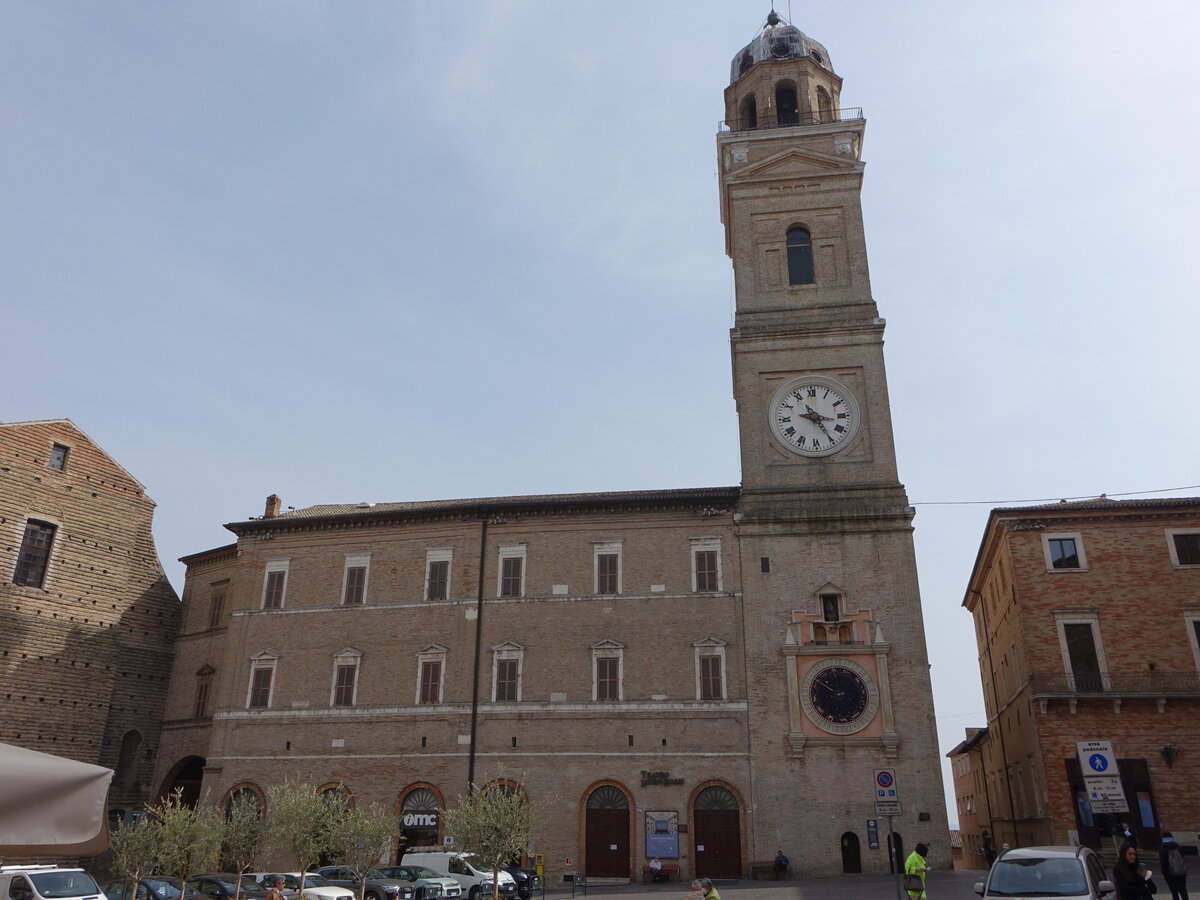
800 256
824 105
749 113
787 108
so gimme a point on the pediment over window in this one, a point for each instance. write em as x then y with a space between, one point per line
793 163
264 655
710 642
205 671
432 648
507 645
348 653
608 644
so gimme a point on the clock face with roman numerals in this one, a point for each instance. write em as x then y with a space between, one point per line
814 416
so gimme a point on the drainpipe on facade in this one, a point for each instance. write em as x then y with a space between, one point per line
483 530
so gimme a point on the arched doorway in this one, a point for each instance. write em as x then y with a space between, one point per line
851 855
896 853
716 822
606 829
420 823
185 776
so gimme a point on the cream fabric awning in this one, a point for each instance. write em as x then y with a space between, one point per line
50 806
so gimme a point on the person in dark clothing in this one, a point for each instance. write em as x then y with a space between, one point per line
1173 866
989 848
1128 877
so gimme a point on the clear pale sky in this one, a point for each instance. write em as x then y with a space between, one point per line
410 250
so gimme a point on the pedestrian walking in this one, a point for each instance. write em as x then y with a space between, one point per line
1173 866
989 848
1131 879
915 868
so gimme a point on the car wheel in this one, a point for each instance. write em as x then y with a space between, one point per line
474 895
371 895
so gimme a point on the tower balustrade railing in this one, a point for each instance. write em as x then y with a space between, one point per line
773 119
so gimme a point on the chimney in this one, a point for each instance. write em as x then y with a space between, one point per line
272 509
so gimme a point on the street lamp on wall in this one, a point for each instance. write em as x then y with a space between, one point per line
1168 753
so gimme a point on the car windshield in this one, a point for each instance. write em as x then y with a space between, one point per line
375 873
311 881
249 884
63 884
422 872
1037 878
162 887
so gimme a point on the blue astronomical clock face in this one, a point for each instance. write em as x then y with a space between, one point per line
839 695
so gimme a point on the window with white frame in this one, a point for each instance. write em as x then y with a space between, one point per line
1064 552
706 564
710 669
1082 650
606 557
431 674
508 660
1184 546
437 573
275 583
607 674
510 580
354 580
344 691
261 688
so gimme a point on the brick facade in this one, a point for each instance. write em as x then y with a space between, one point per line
698 702
1086 621
85 638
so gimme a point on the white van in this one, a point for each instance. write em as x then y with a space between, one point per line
477 882
47 883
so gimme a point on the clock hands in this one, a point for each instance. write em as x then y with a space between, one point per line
818 419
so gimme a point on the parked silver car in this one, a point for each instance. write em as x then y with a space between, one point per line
1072 873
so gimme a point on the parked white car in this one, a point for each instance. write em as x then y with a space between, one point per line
48 883
316 887
462 868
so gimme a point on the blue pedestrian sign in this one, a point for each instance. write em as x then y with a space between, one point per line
1098 762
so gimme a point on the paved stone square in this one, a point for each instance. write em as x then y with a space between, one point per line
942 885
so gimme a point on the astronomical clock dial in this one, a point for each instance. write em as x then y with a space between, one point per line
814 416
839 695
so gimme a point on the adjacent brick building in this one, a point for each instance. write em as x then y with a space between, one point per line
1087 616
704 675
87 617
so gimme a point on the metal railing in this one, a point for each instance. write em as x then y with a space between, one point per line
771 119
1154 684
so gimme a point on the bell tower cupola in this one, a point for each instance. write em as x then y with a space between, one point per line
782 77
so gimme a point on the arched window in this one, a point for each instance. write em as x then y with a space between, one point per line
800 256
787 109
246 794
127 759
749 118
824 105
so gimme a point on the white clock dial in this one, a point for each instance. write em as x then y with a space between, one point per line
814 416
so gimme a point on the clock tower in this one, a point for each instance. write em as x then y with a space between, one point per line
838 667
